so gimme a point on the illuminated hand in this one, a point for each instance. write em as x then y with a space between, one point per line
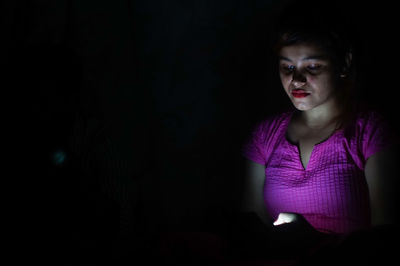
294 221
293 230
286 217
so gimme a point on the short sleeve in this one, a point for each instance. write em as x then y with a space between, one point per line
254 148
376 135
264 137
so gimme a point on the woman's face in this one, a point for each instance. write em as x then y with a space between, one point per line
307 75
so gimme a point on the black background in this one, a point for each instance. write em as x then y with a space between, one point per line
151 102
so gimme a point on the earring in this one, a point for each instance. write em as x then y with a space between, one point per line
344 72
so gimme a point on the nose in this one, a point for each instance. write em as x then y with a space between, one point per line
298 79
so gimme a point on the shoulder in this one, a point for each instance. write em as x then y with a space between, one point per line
369 118
264 137
372 124
366 122
269 129
372 133
272 125
274 121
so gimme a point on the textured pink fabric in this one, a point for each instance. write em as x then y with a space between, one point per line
331 193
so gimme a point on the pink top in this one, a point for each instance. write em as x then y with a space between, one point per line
331 193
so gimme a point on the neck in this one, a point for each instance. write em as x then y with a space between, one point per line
320 116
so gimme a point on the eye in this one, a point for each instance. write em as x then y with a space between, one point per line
287 68
314 68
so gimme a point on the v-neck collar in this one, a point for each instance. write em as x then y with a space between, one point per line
296 145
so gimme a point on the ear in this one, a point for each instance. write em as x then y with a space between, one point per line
348 59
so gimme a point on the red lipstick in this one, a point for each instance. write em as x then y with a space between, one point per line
300 93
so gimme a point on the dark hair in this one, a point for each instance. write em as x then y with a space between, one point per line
326 25
316 22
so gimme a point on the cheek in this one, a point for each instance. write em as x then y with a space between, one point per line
322 85
285 80
316 80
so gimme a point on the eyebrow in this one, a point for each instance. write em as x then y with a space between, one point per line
312 57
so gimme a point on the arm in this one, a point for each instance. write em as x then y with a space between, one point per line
380 171
253 200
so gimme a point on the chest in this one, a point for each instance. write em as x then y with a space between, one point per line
306 139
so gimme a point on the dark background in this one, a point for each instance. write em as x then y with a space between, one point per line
146 104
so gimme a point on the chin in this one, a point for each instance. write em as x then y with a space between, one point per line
302 106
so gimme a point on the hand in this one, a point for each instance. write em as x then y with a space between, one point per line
288 221
287 217
295 234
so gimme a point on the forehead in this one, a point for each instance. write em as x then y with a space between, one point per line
303 52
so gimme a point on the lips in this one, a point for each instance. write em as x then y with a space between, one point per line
299 93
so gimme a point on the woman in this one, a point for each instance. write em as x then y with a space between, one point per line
324 165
